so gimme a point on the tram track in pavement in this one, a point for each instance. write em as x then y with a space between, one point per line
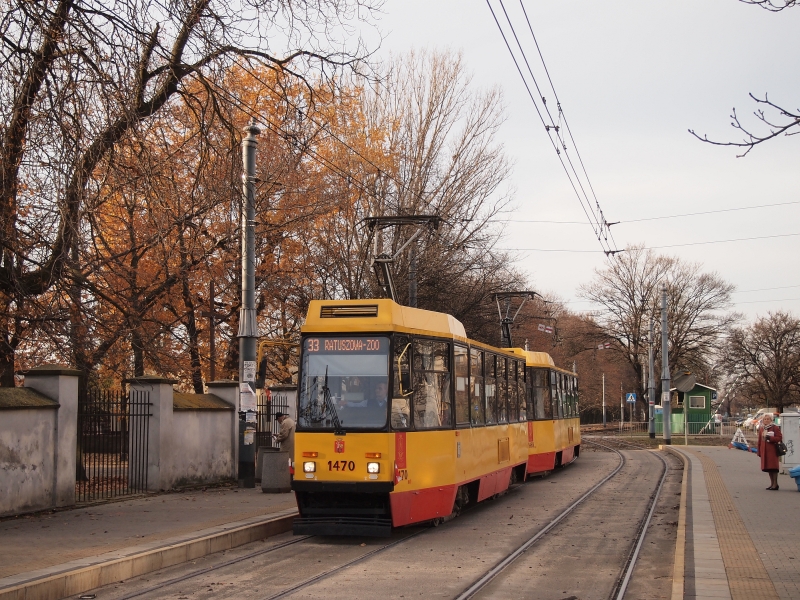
623 580
307 547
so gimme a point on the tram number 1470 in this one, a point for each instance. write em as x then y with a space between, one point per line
341 465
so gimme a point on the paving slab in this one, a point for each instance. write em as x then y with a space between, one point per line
147 528
761 526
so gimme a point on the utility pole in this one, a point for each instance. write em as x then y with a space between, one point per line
621 408
604 400
248 332
665 378
651 383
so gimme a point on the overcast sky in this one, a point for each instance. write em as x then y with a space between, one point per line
632 78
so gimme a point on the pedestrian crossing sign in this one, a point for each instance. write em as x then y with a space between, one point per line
630 398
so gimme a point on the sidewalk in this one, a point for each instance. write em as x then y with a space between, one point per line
36 548
742 540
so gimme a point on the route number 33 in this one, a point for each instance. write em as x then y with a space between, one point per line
341 465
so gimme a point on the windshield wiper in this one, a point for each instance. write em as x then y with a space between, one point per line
326 396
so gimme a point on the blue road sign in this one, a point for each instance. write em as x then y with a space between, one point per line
630 398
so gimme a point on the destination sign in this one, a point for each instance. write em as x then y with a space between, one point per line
359 345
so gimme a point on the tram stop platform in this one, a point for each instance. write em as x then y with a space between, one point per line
55 554
741 540
735 539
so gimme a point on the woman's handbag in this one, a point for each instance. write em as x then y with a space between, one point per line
780 448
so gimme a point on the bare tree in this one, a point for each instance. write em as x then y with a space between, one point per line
627 289
777 119
767 356
440 157
77 78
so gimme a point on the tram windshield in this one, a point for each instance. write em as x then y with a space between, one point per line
344 382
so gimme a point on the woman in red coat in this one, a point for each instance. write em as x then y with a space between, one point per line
768 436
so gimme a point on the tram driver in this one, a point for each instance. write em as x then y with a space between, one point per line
380 396
367 406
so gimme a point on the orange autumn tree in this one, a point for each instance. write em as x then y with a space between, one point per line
165 225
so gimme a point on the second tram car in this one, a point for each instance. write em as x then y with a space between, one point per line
402 419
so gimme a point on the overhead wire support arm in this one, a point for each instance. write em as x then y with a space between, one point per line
507 321
382 261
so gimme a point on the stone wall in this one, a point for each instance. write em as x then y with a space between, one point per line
38 437
192 438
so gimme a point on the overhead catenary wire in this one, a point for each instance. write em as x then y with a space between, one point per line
747 239
598 222
623 222
544 123
564 116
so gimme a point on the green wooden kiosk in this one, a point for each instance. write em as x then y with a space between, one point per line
692 408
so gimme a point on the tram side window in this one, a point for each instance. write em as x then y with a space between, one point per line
476 387
431 384
577 398
555 387
521 390
561 395
401 385
573 398
502 390
536 381
567 397
491 389
461 374
513 392
547 401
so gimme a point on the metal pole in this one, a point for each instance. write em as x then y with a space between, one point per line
412 276
651 383
621 408
665 378
686 419
604 400
248 333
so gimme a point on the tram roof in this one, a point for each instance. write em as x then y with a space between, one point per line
378 315
534 359
381 314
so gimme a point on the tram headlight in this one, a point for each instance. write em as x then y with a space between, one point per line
309 466
373 467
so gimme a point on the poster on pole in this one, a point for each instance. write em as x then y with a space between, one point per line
247 398
249 370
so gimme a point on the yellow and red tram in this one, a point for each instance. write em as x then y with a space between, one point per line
401 419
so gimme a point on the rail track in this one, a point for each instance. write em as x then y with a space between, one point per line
622 582
494 573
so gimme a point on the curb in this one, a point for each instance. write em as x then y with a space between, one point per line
679 564
89 573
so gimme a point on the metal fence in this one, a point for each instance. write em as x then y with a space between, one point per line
693 428
112 444
266 424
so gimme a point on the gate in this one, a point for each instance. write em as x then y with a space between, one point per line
112 444
266 423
